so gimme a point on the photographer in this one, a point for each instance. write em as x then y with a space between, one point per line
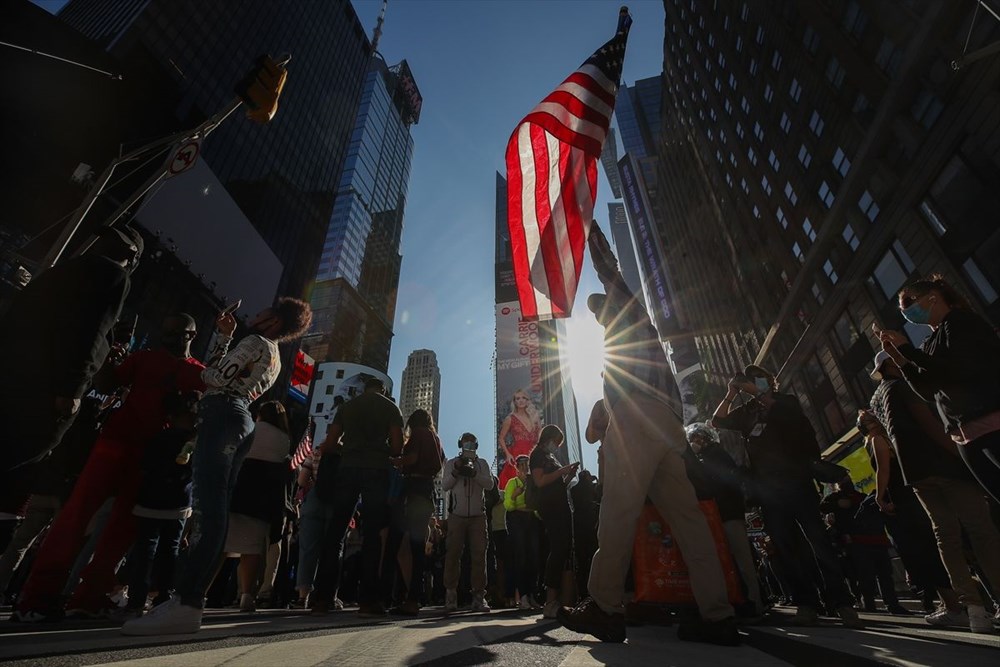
467 477
781 445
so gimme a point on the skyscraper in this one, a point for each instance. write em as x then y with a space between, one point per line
421 384
282 175
816 157
354 298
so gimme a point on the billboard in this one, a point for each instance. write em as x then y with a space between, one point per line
518 363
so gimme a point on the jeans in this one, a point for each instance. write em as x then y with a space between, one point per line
522 527
558 522
982 456
871 563
790 510
152 559
372 485
314 520
223 442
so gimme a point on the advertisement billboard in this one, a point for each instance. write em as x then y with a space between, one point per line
302 375
518 366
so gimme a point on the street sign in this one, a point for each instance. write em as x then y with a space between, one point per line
183 157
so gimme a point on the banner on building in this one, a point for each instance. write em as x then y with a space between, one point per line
518 363
302 375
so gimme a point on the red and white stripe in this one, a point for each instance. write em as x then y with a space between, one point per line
551 188
303 451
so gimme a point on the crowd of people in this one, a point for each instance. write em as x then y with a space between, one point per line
144 485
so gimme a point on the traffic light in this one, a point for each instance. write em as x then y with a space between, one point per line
261 88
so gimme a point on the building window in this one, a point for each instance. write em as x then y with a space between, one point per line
817 294
732 159
816 124
808 230
797 251
722 60
711 40
840 162
760 34
888 57
830 273
854 20
718 84
781 218
927 209
927 108
826 194
850 237
729 180
811 40
776 61
744 185
732 81
893 271
772 159
728 107
861 104
745 105
768 93
718 156
805 157
752 156
980 281
739 45
712 115
786 123
739 130
868 206
766 185
790 193
835 73
722 135
795 91
758 132
744 12
756 212
753 66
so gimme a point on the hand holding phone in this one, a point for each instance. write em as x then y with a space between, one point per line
233 307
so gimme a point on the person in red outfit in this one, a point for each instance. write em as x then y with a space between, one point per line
113 470
523 425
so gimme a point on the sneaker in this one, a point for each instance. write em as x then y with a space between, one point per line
805 616
943 617
170 618
479 604
37 615
720 633
589 619
374 610
979 622
451 601
551 609
299 603
849 618
408 608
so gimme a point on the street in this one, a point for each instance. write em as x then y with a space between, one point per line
293 638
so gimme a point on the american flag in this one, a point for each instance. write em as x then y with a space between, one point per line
304 450
552 180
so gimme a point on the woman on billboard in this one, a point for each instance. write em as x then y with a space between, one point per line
522 425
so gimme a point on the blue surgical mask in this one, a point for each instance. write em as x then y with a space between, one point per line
917 314
762 384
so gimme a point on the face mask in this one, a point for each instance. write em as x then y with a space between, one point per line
763 386
917 314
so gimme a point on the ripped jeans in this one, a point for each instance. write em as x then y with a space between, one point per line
224 427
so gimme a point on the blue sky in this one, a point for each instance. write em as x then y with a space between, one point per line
481 66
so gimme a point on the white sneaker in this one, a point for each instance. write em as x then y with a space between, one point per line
169 618
451 600
479 603
979 622
943 617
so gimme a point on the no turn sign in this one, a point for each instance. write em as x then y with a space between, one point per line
183 157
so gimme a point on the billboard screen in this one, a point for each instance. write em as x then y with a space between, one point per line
518 365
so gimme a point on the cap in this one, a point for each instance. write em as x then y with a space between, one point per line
880 359
127 235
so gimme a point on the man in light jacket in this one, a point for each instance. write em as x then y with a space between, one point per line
467 477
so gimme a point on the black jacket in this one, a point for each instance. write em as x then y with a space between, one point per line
958 368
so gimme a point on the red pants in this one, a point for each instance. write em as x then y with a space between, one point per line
111 471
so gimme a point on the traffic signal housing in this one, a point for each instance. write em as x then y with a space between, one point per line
261 88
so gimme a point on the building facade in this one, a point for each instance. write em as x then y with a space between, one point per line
283 175
813 158
361 252
420 386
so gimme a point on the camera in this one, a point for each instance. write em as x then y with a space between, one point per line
465 466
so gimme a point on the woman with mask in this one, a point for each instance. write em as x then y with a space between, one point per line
552 479
957 367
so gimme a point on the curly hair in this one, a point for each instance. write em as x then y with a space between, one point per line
936 283
295 316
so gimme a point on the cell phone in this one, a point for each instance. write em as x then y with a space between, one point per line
233 307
